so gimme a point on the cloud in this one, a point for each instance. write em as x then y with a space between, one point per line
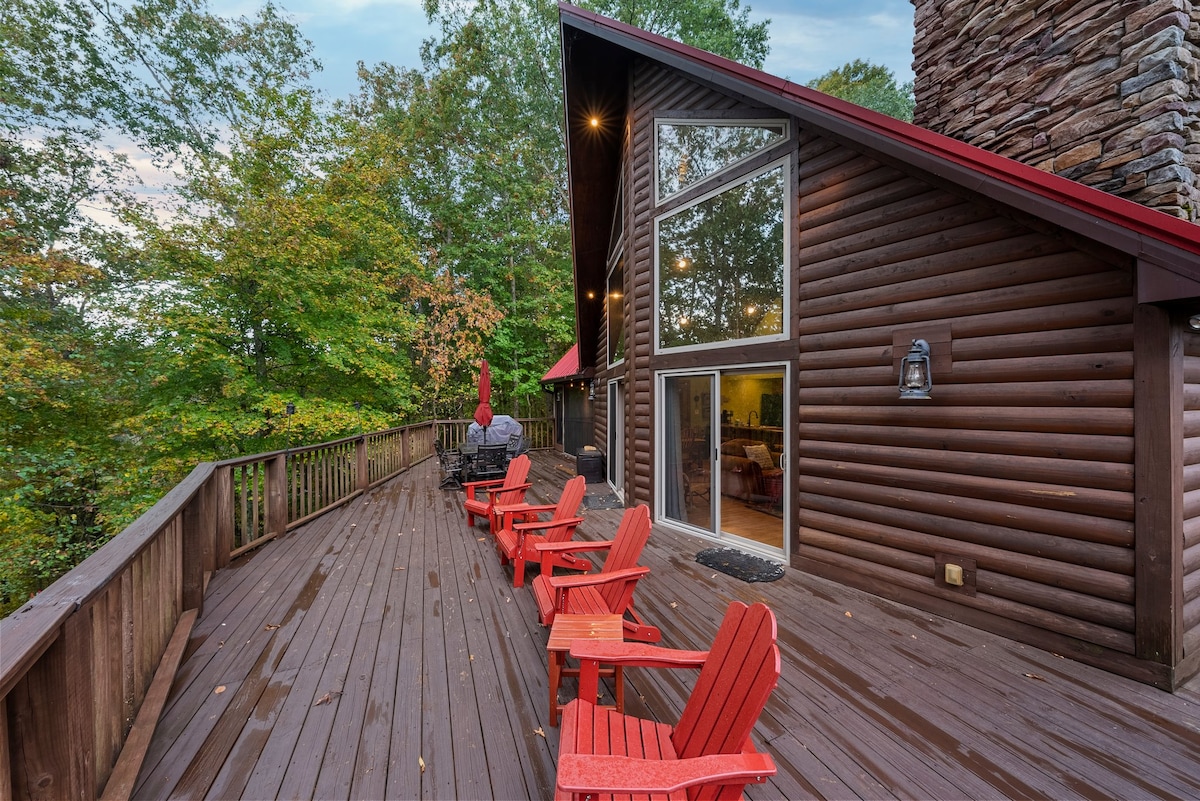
806 46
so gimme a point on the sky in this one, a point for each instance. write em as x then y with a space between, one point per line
808 37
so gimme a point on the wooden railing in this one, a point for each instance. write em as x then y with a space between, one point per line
539 432
274 492
86 666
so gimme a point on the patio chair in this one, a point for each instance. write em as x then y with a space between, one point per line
483 496
608 592
708 753
491 462
451 462
516 540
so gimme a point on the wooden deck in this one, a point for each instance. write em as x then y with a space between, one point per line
381 652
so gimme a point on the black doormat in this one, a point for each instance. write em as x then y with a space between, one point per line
740 565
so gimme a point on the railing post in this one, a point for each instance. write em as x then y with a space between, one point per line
197 550
276 496
6 786
221 509
363 469
51 713
406 449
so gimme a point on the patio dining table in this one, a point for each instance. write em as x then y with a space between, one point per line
470 457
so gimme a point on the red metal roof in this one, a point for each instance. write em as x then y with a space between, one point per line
566 367
1145 233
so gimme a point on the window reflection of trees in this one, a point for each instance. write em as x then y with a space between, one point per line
689 153
721 265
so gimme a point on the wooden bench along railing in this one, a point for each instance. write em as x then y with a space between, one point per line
86 665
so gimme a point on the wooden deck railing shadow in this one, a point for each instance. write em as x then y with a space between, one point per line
86 665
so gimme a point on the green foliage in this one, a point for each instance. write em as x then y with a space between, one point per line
718 26
869 85
49 520
480 128
355 260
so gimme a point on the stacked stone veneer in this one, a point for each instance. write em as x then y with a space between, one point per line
1106 92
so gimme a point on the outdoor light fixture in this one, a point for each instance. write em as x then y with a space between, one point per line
916 377
591 390
1194 322
595 121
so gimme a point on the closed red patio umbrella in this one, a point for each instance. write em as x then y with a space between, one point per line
483 412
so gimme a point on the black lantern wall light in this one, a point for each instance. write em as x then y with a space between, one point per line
916 373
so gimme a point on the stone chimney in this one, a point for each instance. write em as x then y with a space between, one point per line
1105 92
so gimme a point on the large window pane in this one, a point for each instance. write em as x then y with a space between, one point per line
721 265
689 152
616 312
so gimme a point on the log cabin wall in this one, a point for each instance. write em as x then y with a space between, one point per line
1020 469
1191 488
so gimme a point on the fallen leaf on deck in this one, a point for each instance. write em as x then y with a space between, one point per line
540 732
674 605
270 627
394 569
220 689
849 615
481 539
1035 676
327 697
354 525
421 762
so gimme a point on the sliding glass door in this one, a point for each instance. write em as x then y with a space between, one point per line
722 463
616 436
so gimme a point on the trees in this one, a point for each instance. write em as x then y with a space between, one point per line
367 253
481 130
868 85
87 84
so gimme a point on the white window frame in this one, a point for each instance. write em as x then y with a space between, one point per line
614 259
785 257
660 432
726 170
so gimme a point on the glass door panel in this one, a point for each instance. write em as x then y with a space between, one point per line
752 477
616 436
688 480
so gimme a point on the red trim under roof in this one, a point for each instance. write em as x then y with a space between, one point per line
1094 208
566 367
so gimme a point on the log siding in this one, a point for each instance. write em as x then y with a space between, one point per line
1062 415
1043 508
1191 491
1023 464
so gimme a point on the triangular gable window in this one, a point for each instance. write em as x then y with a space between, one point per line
691 151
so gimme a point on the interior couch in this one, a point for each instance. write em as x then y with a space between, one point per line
741 476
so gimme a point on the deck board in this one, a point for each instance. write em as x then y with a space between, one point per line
386 636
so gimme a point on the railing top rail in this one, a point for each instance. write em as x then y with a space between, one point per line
27 632
259 457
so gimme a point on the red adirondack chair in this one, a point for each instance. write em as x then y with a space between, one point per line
608 592
516 540
708 753
482 496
